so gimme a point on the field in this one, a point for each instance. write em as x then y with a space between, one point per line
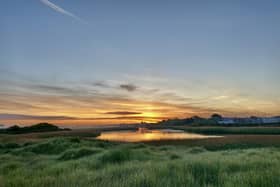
76 159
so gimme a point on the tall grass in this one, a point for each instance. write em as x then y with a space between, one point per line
67 162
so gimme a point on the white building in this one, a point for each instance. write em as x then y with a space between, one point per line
251 120
226 121
271 120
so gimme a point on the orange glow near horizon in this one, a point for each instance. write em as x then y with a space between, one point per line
83 111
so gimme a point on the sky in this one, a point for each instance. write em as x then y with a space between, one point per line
94 62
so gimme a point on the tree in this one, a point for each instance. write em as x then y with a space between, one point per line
216 116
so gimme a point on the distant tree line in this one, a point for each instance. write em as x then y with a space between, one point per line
215 120
195 120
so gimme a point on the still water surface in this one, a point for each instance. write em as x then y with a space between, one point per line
144 135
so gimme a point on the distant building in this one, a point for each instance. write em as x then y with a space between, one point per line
271 119
255 120
250 120
226 121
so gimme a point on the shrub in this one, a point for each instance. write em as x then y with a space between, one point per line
77 153
174 156
103 144
139 146
197 150
116 156
11 146
55 146
28 144
75 140
9 167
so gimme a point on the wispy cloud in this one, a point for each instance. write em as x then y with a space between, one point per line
123 113
33 117
61 118
128 87
101 84
62 11
24 100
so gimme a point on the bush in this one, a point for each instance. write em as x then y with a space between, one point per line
103 144
174 156
138 146
27 144
75 140
197 150
9 167
77 153
55 146
116 156
11 146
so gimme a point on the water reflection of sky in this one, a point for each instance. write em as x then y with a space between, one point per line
149 135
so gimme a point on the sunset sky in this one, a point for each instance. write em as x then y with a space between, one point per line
91 62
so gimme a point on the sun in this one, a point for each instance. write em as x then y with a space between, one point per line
150 117
149 114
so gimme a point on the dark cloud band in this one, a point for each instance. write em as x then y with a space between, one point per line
123 113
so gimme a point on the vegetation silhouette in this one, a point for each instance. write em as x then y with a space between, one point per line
40 127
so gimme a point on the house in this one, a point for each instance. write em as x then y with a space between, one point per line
271 119
250 120
226 121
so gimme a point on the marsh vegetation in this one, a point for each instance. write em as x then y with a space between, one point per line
76 161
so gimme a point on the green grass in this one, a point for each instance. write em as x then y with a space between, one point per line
72 162
77 153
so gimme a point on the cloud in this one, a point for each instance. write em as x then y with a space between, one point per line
128 87
125 118
101 84
14 105
123 113
62 11
80 103
60 90
58 118
52 88
33 117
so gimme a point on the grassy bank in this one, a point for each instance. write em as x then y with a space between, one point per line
230 130
76 162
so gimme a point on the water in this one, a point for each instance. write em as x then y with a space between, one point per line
144 135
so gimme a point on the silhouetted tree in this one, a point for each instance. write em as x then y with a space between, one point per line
216 117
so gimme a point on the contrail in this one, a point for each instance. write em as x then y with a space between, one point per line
62 11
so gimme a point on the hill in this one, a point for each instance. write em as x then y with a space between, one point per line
41 127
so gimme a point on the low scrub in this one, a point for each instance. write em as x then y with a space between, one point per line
78 153
64 162
116 156
52 146
195 150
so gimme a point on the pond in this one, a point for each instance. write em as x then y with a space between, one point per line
144 135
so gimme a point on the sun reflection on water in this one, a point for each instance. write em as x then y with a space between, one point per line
144 135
